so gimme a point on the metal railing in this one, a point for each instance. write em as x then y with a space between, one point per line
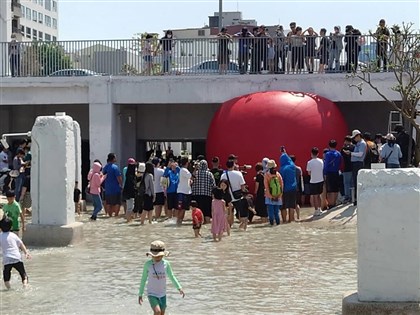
204 56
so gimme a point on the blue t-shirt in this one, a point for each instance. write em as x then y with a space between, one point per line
112 186
173 179
332 161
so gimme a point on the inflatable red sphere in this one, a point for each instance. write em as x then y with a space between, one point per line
256 125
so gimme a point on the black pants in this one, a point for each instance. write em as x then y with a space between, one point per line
243 59
356 166
280 61
381 53
18 266
15 65
352 60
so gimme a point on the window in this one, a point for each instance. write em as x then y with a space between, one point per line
48 5
41 2
28 32
40 35
23 11
54 23
22 30
34 15
28 14
54 6
201 33
34 34
48 20
54 39
40 17
34 1
48 37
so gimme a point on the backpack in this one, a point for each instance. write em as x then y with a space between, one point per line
275 187
372 154
140 186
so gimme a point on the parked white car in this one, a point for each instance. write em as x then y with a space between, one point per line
73 73
209 67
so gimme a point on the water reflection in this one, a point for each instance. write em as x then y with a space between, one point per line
290 269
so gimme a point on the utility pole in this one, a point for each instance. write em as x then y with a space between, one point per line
220 15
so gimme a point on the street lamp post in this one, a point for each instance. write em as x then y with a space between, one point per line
221 14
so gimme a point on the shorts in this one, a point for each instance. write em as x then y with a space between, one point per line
155 301
316 188
172 199
184 201
113 200
289 199
147 203
204 203
197 226
241 208
160 199
138 204
333 182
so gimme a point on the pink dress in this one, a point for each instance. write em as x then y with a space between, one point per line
218 220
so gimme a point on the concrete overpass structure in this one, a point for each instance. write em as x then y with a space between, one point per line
119 114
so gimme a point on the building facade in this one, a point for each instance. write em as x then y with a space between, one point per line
39 20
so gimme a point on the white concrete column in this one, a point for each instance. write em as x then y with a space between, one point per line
103 129
53 170
389 235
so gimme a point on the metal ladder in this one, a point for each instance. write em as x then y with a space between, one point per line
395 118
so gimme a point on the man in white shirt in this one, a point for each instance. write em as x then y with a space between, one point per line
235 178
315 168
4 159
184 190
236 183
160 196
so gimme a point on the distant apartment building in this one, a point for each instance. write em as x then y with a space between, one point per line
230 18
10 15
39 20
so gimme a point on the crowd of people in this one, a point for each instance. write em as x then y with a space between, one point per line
215 195
258 51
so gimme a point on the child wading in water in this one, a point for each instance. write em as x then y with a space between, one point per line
197 218
218 222
155 272
10 244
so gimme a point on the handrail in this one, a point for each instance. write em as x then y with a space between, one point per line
190 56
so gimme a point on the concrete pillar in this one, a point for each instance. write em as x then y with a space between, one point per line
388 216
52 183
103 128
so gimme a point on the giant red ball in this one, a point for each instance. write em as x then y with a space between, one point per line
256 125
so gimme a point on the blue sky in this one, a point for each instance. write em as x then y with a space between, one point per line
120 19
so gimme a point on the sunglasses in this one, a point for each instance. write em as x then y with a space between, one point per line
154 250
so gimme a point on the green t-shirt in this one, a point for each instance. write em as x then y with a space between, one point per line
13 211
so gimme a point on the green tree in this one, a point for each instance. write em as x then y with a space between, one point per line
403 59
44 58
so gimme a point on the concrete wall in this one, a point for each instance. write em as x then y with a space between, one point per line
366 116
182 89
